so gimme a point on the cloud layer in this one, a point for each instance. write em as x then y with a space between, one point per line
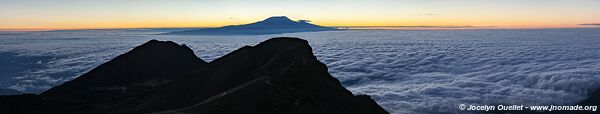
404 71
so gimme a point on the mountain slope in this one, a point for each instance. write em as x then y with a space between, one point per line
152 63
272 25
280 75
129 77
125 80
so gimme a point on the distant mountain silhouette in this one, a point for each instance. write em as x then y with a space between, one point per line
280 75
272 25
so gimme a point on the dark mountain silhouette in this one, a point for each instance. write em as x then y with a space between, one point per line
272 25
116 83
151 64
280 75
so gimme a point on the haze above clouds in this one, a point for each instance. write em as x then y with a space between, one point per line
77 14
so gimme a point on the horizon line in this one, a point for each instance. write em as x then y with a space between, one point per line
392 27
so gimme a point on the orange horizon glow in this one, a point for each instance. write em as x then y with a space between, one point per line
341 27
407 26
382 24
430 24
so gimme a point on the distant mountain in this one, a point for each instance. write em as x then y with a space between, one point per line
280 75
272 25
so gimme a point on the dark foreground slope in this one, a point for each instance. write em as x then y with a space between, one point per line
122 81
279 75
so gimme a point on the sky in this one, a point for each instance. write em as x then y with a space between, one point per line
86 14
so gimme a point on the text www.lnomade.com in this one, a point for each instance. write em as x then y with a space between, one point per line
522 107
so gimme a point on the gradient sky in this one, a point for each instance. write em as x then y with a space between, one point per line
75 14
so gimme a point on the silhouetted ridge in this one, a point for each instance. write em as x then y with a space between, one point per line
272 25
131 75
279 75
152 61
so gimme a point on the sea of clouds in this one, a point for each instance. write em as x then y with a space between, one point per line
408 71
